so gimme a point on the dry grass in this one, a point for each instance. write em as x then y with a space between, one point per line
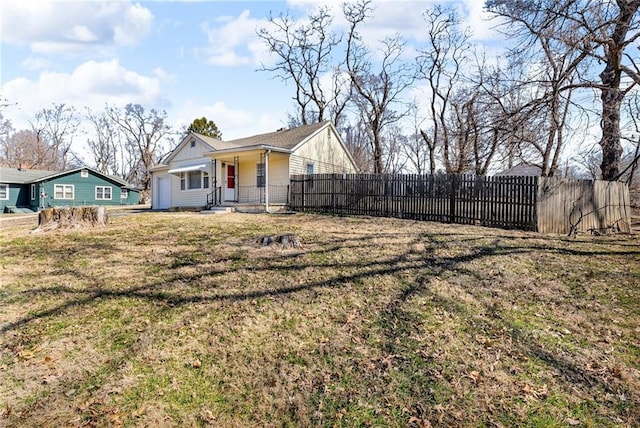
180 320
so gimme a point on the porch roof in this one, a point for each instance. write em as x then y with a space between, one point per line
187 168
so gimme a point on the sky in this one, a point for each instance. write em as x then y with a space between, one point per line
189 58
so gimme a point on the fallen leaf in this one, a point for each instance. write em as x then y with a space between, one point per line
115 419
196 364
475 376
26 354
573 422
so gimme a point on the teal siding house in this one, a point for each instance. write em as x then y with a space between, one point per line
32 190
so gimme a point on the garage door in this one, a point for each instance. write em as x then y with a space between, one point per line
164 193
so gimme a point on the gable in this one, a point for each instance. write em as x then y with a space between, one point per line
326 146
191 147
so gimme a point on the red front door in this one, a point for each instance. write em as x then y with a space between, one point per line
231 176
230 183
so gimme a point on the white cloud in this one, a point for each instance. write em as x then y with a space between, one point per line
479 21
91 84
73 27
35 63
233 41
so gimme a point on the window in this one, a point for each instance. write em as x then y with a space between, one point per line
309 168
194 180
4 191
84 173
63 191
33 192
124 193
193 143
103 193
260 175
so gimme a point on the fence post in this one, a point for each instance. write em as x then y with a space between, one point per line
333 193
452 198
302 193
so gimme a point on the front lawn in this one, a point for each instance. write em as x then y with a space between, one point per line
179 319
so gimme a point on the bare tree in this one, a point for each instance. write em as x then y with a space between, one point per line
420 155
104 144
304 51
439 65
375 93
591 32
24 149
143 134
56 127
357 140
6 129
630 162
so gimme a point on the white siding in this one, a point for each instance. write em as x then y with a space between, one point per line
278 169
326 154
190 156
188 153
190 197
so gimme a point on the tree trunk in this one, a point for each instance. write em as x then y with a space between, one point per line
610 142
71 218
286 241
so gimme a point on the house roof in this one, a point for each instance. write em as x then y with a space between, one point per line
283 139
521 169
21 176
24 176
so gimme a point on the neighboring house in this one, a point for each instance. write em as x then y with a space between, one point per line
522 169
32 190
202 172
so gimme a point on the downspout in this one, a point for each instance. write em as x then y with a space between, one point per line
266 181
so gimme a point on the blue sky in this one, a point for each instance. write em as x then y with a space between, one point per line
190 58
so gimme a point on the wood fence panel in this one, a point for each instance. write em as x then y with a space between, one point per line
573 206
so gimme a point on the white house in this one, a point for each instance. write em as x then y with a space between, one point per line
202 172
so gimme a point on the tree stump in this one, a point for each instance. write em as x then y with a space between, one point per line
286 241
71 218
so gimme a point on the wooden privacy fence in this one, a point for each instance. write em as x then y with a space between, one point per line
572 206
541 204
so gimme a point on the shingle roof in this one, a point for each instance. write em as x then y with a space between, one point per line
521 170
284 139
20 176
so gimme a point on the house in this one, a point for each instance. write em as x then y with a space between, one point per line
202 172
521 170
24 190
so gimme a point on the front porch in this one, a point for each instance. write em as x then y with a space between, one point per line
250 196
249 178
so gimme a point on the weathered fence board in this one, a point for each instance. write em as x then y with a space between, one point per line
549 205
572 206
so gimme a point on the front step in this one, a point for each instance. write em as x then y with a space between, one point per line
218 210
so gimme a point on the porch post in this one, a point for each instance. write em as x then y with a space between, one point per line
266 181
